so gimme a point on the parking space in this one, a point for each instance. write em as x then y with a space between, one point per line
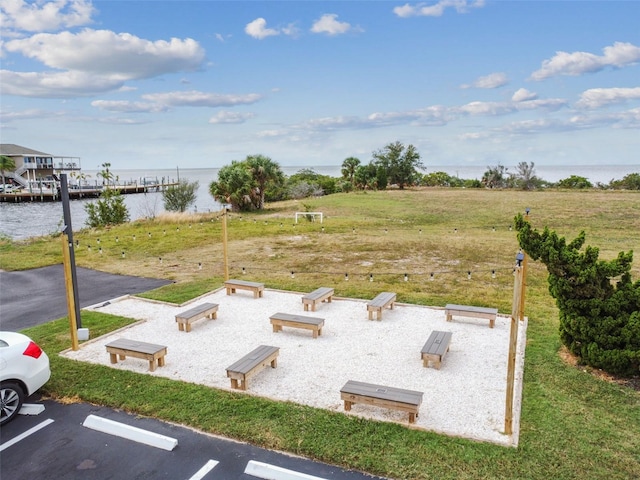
55 444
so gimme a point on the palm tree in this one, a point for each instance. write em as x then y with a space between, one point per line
349 167
264 171
6 163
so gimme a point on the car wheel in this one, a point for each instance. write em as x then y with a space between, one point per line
11 398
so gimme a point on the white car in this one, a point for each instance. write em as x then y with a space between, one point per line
24 368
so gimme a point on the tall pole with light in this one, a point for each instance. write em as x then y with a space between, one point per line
517 315
225 256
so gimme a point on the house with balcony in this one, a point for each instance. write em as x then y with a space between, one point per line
36 171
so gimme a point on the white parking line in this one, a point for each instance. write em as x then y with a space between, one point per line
24 435
199 475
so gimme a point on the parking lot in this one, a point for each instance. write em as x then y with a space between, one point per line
55 445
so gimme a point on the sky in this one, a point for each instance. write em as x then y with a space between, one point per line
199 84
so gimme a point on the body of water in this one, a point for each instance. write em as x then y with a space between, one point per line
25 220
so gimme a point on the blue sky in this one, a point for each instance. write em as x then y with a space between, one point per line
197 84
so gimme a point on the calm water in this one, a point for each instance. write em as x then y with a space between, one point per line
24 220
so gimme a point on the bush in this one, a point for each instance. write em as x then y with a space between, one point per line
177 198
109 209
574 181
599 321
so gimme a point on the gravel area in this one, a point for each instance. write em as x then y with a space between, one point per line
465 398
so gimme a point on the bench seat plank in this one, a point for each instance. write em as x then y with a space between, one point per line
279 320
319 295
471 311
122 348
255 287
252 363
379 303
436 348
203 310
381 396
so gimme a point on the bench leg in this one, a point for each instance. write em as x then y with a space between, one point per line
316 333
492 322
274 363
412 417
181 326
122 357
306 307
161 361
449 317
113 357
347 405
188 327
152 365
234 383
277 328
370 314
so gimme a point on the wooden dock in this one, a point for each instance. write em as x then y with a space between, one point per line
78 193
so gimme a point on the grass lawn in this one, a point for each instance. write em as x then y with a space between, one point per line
451 246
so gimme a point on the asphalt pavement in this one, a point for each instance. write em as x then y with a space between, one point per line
57 445
36 296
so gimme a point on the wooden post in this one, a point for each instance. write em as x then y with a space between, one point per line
66 259
225 255
511 359
523 285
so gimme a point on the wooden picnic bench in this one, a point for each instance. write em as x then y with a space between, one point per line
319 295
469 311
133 348
279 320
203 310
233 285
251 364
380 302
381 396
436 348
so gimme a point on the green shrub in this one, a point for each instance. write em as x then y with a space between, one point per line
599 321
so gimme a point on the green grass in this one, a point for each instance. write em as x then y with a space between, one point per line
573 425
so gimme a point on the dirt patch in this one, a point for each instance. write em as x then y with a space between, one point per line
570 359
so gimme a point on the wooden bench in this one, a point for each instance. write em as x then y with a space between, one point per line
251 364
233 285
133 348
279 320
381 396
319 295
467 311
203 310
436 348
382 301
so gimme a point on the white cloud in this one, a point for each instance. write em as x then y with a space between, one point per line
493 80
258 29
522 94
123 106
30 114
55 85
577 63
486 108
194 98
18 15
599 97
330 25
231 117
117 56
436 9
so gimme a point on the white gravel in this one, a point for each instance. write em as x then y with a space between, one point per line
465 398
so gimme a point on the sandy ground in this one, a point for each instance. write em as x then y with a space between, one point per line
465 398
